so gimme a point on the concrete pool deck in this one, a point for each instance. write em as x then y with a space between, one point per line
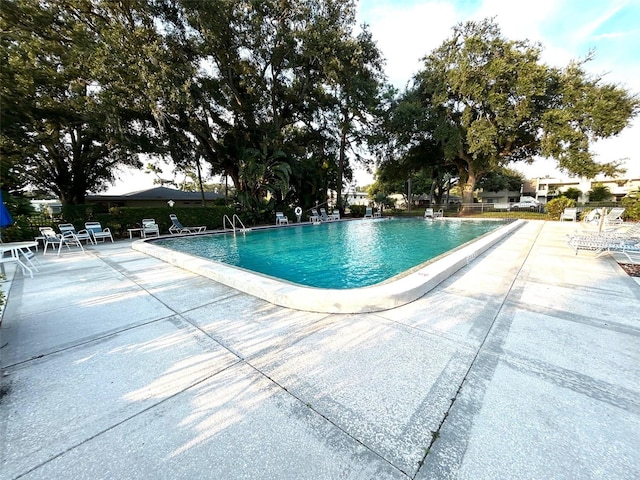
523 364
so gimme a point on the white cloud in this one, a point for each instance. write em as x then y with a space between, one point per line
407 33
586 32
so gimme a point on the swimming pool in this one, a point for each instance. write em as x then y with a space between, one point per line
340 255
393 290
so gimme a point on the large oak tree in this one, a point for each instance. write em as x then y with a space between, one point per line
490 102
64 128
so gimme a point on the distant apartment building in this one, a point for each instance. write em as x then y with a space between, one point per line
547 188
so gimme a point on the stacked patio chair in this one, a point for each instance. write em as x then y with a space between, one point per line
150 227
53 239
619 239
82 235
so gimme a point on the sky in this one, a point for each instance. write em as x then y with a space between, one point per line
408 30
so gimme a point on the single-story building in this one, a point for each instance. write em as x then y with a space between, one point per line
154 197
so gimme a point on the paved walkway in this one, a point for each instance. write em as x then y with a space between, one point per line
524 364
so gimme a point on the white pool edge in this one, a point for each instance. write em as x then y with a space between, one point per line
375 298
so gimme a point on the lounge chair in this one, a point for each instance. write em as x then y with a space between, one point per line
632 252
97 232
323 215
614 217
609 240
569 214
335 214
177 227
315 216
68 239
29 257
82 235
592 217
428 213
150 227
368 212
281 219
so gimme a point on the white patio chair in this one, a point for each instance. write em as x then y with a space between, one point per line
315 216
54 239
281 219
82 235
97 232
569 214
592 217
150 227
29 256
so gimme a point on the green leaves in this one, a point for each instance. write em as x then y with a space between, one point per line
492 102
71 123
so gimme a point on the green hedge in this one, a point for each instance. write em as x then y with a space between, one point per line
119 219
632 208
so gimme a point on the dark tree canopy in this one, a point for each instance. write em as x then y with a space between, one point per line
240 85
277 90
64 129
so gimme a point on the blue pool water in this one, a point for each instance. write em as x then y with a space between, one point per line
339 255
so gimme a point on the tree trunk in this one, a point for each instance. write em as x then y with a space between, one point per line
200 182
433 191
341 158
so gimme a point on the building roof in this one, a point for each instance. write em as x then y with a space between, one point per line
159 193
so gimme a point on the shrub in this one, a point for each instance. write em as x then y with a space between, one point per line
556 206
572 193
357 211
119 219
632 208
599 193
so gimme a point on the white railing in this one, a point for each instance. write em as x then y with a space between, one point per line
232 224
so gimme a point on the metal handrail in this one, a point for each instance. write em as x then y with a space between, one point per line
236 217
232 223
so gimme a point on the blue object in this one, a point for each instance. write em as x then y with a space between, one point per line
338 255
5 216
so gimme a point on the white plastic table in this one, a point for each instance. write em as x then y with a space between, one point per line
131 230
14 248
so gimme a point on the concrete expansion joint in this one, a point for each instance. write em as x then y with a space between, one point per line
506 299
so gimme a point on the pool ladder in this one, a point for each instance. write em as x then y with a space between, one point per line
232 224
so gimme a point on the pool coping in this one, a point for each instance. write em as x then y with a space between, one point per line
375 298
